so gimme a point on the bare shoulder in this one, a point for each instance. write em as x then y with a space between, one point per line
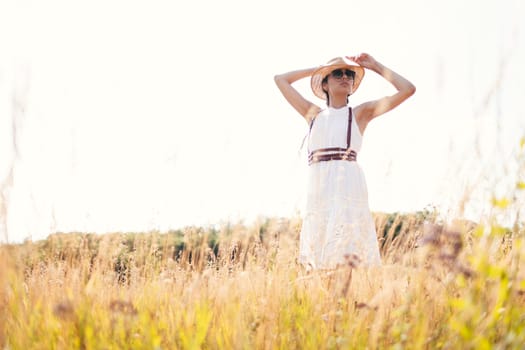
363 110
362 114
312 112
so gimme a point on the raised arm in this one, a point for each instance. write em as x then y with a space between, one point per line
284 82
369 110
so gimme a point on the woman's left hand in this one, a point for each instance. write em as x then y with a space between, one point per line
365 60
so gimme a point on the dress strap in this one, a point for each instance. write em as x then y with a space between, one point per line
309 131
349 129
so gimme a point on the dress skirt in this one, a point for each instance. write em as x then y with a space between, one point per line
337 222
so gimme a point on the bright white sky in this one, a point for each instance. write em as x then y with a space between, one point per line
143 115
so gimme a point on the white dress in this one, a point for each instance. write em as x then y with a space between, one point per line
337 221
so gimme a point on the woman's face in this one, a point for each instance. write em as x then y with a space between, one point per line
339 81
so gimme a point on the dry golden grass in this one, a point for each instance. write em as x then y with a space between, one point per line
240 287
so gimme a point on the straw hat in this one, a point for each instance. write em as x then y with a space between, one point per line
339 62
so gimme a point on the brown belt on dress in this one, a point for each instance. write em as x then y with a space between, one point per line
334 153
342 154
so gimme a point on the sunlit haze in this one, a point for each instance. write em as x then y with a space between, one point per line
153 115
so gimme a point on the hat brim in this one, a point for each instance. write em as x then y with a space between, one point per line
320 73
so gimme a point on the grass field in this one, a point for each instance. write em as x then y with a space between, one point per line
239 287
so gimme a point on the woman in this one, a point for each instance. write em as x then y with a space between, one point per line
337 224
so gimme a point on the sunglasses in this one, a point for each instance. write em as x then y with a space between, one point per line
338 73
